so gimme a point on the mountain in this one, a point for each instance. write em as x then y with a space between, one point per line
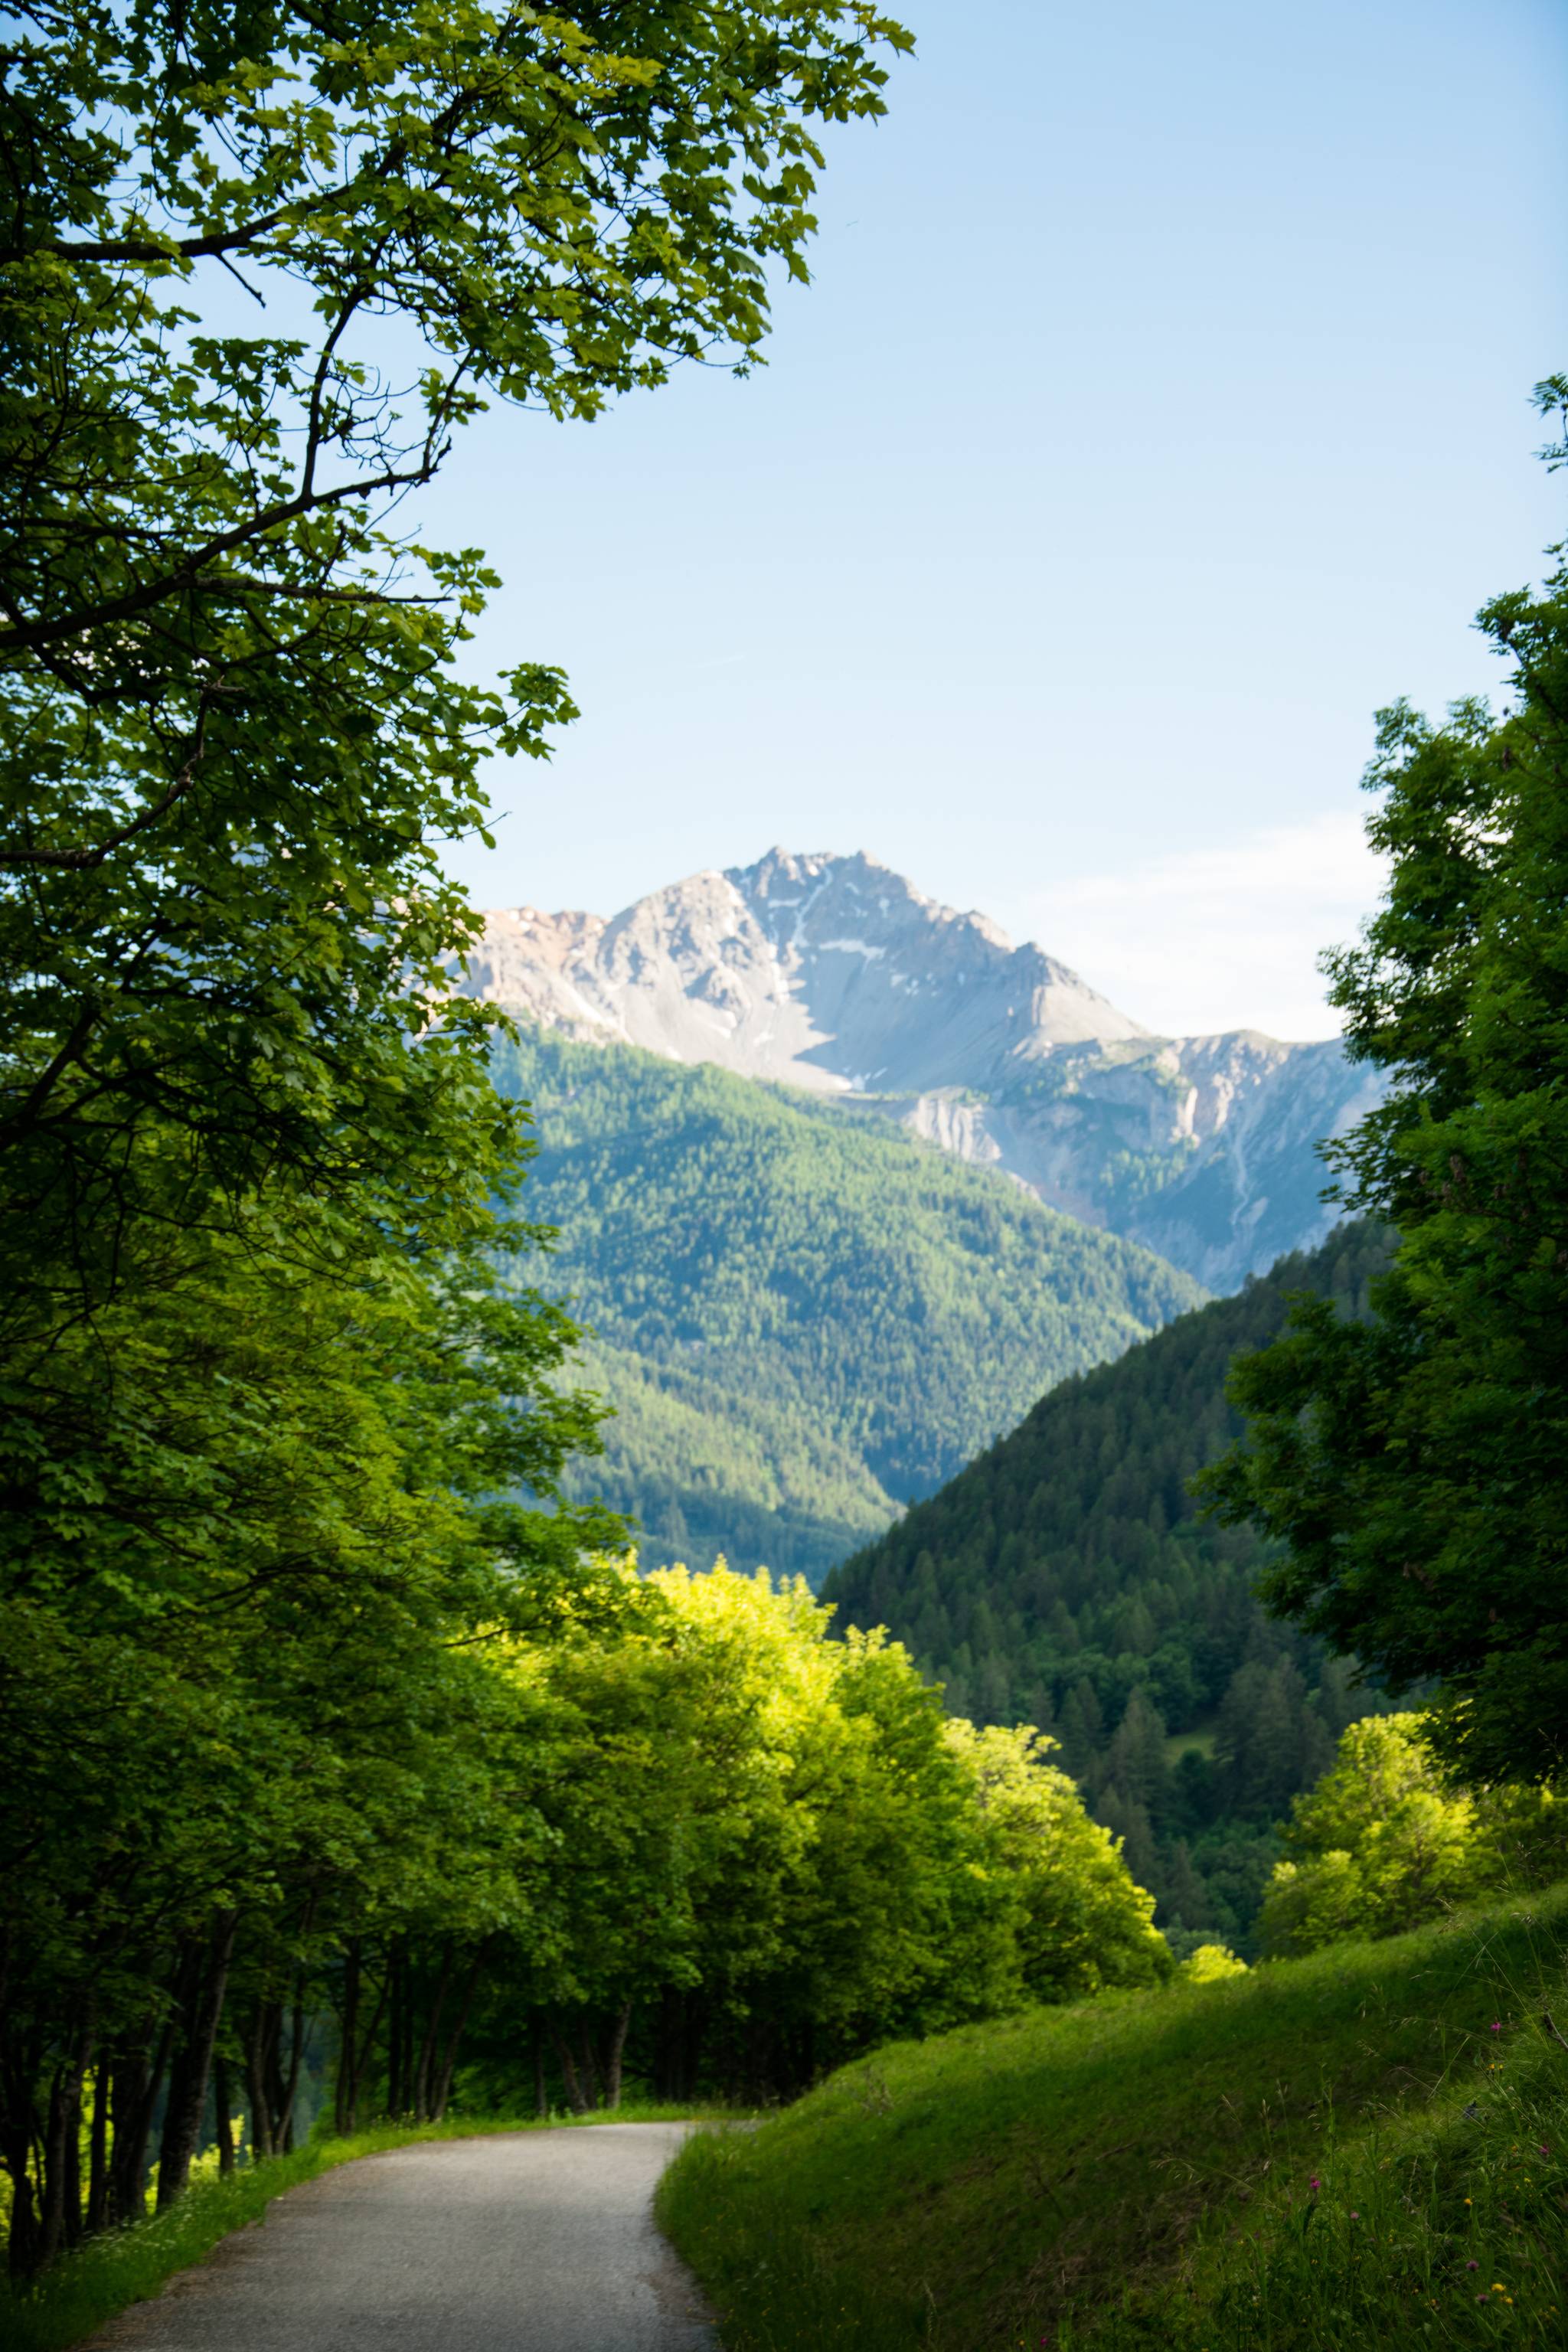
1065 1579
802 1321
832 973
835 975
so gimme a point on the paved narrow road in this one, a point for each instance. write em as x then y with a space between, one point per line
534 2241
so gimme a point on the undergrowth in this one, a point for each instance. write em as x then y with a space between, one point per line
1364 2148
88 2287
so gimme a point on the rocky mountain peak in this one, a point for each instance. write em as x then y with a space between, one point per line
832 972
804 899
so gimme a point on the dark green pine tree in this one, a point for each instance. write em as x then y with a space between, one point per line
1136 1760
1185 1898
1128 1819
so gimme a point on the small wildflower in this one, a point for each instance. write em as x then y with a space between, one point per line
1354 2215
1497 2025
1314 2183
1472 2266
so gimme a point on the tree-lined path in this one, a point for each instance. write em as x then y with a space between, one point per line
537 2241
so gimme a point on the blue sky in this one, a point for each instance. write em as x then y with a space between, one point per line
1159 407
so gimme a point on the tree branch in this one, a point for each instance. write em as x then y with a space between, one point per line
26 637
82 861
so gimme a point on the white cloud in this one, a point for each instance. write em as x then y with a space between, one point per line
1222 938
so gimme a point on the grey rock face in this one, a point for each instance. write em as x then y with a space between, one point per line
836 974
829 972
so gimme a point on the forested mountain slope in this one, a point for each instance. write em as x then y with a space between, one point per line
1065 1579
802 1321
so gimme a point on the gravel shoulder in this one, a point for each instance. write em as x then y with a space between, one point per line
532 2241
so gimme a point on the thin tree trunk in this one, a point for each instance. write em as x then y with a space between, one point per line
275 2074
127 2078
51 2169
407 2062
427 2047
616 2054
188 2094
256 2082
74 2230
98 2157
396 1995
18 2074
348 2037
284 2128
664 2040
62 2153
23 2247
367 2049
591 2062
222 2117
465 2010
539 2108
574 2099
136 2088
187 1988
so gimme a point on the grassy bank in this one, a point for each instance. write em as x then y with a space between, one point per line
1363 2148
126 2266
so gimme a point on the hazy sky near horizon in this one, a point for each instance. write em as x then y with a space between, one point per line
1160 408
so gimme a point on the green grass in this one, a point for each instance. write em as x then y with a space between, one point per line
1138 2171
125 2266
1204 1738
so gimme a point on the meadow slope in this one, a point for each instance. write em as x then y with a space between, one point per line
1356 2149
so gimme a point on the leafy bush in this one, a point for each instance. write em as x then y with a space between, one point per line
1385 1840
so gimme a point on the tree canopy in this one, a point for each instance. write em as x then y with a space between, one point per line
1412 1467
767 1849
264 1392
236 735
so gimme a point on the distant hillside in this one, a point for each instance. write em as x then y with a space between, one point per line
837 975
802 1321
1064 1579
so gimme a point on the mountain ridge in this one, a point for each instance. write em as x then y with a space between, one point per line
757 959
836 974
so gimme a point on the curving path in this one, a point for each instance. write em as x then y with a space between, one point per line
530 2241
